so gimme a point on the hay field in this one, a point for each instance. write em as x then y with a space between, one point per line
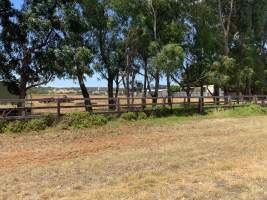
170 159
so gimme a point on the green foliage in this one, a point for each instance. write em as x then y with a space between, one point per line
29 34
49 120
119 39
175 88
141 116
35 125
133 116
223 70
3 125
82 120
129 116
170 58
161 112
16 127
241 111
26 126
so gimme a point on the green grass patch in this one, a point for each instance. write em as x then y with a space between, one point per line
245 111
163 115
82 120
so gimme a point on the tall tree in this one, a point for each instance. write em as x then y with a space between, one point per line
76 53
105 35
225 11
28 38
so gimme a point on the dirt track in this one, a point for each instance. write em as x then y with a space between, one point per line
44 149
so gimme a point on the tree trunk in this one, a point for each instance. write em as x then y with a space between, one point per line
128 89
145 85
86 96
169 90
188 94
226 45
110 92
24 78
226 93
216 94
156 92
132 88
117 86
248 90
202 95
23 88
201 100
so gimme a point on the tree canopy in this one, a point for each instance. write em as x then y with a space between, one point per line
192 43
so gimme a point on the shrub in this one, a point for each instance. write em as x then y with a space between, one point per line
161 112
82 120
141 116
36 125
3 125
15 127
129 116
49 120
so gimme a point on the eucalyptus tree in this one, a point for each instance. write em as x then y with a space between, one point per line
28 38
75 54
202 46
137 38
104 34
225 12
249 45
169 60
156 24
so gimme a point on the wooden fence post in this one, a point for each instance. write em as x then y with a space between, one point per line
118 106
200 105
58 108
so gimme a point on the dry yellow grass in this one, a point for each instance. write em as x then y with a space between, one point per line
193 160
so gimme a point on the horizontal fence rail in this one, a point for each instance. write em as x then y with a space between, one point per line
36 108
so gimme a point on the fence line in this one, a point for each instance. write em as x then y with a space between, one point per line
34 108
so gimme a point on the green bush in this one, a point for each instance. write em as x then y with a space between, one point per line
141 116
36 125
50 120
129 116
23 126
3 125
15 127
82 120
161 112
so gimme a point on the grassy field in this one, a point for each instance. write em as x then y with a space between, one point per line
172 158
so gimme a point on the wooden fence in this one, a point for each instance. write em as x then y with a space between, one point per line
35 108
